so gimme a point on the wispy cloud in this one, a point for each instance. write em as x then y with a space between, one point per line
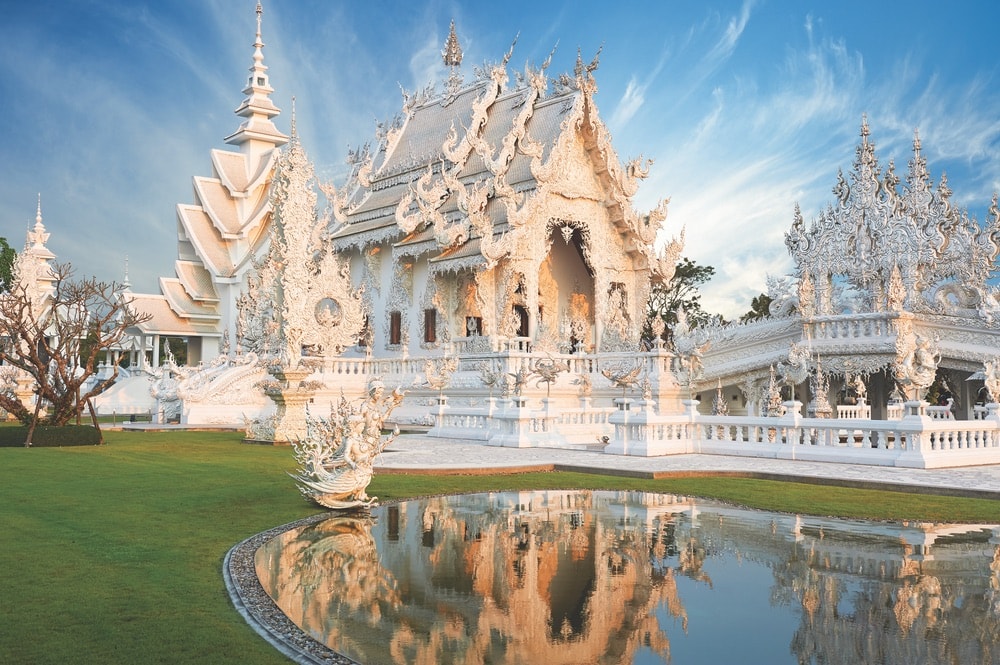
726 44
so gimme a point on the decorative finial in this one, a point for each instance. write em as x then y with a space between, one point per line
257 108
37 236
452 52
916 141
125 283
295 133
864 125
510 51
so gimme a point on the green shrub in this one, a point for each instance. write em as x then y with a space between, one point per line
50 436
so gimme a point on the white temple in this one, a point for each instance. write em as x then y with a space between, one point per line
485 256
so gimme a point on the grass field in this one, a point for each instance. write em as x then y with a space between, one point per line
113 554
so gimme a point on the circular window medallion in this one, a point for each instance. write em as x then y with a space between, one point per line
328 312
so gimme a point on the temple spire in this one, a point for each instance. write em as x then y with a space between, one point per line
452 55
257 132
38 236
452 52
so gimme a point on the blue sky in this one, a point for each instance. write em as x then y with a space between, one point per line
110 106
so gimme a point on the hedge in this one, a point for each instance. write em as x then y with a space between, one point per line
50 435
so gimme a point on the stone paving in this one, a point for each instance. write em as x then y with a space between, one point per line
417 452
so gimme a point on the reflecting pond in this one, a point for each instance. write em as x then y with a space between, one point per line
630 577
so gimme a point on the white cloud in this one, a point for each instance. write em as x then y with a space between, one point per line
726 44
630 102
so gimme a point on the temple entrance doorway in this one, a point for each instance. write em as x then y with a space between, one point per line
566 288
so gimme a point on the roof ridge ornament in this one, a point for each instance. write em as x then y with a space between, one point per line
37 236
585 73
452 55
452 52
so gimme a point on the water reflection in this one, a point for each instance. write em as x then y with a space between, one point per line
628 577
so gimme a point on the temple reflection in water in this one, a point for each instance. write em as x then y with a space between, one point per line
630 577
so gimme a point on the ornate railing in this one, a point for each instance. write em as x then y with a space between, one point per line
850 327
913 441
505 420
854 411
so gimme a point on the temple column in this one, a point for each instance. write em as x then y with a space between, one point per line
156 351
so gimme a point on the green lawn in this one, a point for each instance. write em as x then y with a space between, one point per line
113 554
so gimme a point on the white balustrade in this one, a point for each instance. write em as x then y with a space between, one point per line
855 411
940 413
915 441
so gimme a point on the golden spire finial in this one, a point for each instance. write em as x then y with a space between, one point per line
452 52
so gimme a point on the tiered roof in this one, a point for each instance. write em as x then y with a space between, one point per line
226 226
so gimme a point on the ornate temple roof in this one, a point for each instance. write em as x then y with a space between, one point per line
462 159
165 320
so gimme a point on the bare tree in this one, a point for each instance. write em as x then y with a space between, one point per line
58 340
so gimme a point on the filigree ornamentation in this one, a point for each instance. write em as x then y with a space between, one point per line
991 372
548 370
664 262
917 358
690 345
300 295
896 250
491 375
720 407
819 386
773 407
438 371
796 369
623 374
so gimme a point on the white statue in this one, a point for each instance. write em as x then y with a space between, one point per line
336 458
917 363
991 370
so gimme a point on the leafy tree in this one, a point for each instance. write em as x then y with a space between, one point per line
58 340
759 309
680 292
7 256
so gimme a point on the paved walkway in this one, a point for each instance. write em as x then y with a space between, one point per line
421 453
417 452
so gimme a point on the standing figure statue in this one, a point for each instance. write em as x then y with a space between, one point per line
991 371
